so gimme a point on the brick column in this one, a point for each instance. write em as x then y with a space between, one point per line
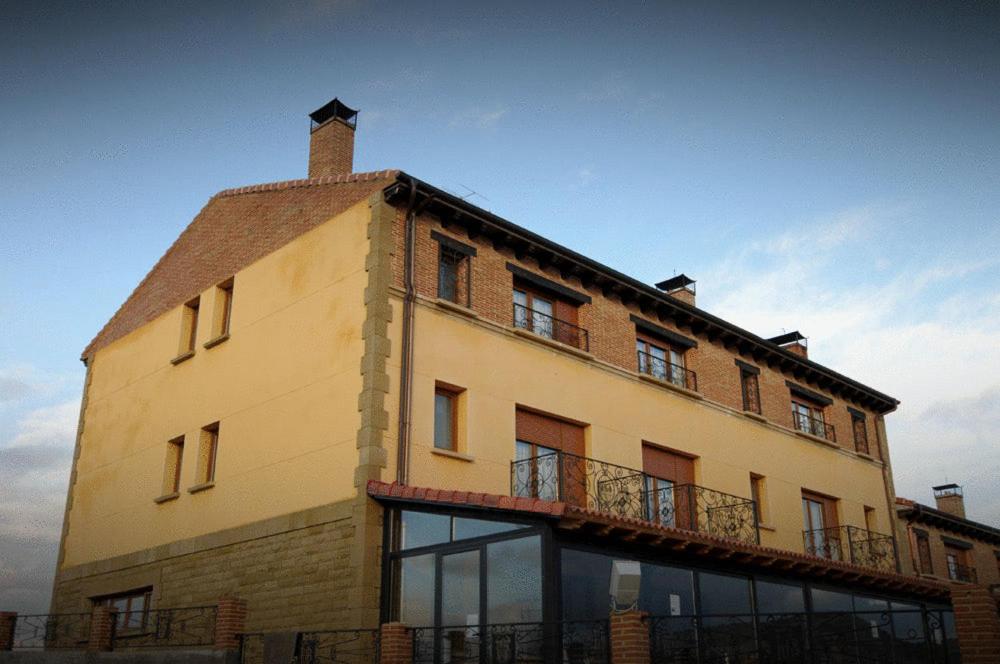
7 621
102 629
230 622
396 644
629 638
977 623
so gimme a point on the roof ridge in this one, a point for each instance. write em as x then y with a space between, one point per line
309 182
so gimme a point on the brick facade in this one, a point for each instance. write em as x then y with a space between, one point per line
977 621
397 644
613 334
629 638
289 579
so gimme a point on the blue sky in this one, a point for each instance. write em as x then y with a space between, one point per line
828 167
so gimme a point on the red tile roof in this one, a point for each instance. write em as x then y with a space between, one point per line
599 524
234 229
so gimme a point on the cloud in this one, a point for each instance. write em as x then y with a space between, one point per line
478 118
34 470
925 331
22 381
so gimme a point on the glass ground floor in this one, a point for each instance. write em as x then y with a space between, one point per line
509 589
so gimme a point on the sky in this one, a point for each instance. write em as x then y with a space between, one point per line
827 167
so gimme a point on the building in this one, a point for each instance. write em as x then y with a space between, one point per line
945 545
357 399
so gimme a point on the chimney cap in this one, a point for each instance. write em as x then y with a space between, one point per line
788 338
947 490
335 109
676 283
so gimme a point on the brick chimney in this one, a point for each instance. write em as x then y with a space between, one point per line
793 342
949 499
680 288
331 140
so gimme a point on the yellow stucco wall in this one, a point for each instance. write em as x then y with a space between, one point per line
284 388
500 370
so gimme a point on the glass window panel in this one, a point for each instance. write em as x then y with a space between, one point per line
460 588
514 581
443 422
864 603
728 639
416 590
719 593
424 529
666 591
779 598
910 644
469 528
830 600
586 585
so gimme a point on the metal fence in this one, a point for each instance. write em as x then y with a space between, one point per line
584 642
51 631
886 637
345 646
610 488
814 426
188 627
550 327
662 369
852 544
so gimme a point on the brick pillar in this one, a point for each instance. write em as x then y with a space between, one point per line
977 623
230 622
7 621
629 638
102 629
396 644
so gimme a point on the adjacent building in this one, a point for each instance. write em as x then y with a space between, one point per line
356 399
946 545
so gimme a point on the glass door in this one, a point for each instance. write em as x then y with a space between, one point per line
814 524
660 500
536 471
460 637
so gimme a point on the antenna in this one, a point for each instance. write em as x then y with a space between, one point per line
472 192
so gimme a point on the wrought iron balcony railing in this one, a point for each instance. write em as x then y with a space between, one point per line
550 327
852 544
515 643
51 631
959 572
814 426
621 491
188 627
658 367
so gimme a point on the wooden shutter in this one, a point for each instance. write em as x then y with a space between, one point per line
667 465
550 432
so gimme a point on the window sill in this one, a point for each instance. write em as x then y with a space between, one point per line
754 416
211 343
457 308
670 386
183 356
558 345
201 487
863 455
766 526
452 454
165 498
816 439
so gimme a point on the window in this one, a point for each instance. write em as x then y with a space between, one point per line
819 523
924 552
189 331
870 520
172 467
548 453
758 493
750 387
667 480
547 315
957 557
860 430
445 418
534 312
208 450
663 361
454 270
132 608
223 313
809 418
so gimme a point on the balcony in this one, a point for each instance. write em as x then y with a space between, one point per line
661 369
814 426
626 492
963 573
550 327
852 544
